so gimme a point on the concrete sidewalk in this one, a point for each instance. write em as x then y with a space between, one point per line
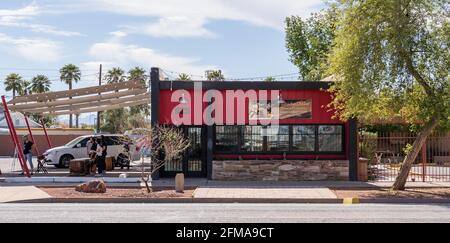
289 190
264 193
21 193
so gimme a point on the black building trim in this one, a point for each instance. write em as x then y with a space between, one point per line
246 85
155 95
155 92
209 151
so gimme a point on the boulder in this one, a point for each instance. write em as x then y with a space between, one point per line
96 186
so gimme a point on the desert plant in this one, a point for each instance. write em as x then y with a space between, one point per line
163 144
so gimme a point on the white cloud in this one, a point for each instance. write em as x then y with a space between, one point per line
182 18
173 27
20 18
114 53
36 50
22 13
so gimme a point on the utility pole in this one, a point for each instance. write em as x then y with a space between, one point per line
99 84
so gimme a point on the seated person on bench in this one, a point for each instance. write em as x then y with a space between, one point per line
91 151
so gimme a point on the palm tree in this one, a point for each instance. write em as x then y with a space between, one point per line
115 75
69 74
137 73
184 77
14 83
214 75
25 90
40 84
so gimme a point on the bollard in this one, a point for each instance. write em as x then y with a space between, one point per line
179 183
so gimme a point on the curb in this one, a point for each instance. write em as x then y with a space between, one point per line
181 200
66 180
229 201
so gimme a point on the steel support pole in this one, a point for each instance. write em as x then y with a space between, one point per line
46 134
15 139
31 136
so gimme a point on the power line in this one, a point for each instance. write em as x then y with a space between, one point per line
295 76
40 69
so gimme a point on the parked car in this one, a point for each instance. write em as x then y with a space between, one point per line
77 149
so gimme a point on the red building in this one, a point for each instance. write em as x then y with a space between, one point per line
307 143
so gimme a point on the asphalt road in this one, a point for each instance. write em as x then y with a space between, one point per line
223 213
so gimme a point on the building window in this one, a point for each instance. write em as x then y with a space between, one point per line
278 138
227 138
304 138
330 138
252 139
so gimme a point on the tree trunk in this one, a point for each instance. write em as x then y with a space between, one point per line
71 116
405 169
77 117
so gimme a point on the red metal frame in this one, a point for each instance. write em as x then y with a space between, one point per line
46 134
31 136
13 133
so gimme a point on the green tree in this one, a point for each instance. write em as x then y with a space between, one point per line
184 77
40 84
138 73
270 79
309 42
391 59
214 75
70 74
138 112
115 75
25 90
14 82
48 120
114 121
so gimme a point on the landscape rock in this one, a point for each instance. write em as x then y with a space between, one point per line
96 186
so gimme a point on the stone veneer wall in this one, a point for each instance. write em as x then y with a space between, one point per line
281 170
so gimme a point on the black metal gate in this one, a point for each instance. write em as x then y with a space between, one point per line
193 163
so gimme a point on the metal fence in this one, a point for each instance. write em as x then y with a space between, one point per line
386 152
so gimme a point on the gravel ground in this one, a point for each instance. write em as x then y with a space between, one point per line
117 193
428 193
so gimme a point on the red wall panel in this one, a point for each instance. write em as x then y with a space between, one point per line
320 101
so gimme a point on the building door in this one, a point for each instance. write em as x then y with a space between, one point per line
193 163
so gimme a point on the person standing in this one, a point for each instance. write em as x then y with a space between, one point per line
91 147
28 152
88 147
104 153
98 157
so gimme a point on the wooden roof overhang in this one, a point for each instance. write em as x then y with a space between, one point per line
85 100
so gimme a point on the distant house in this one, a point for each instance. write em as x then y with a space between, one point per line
57 136
18 120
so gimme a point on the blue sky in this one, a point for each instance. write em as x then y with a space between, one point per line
244 38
